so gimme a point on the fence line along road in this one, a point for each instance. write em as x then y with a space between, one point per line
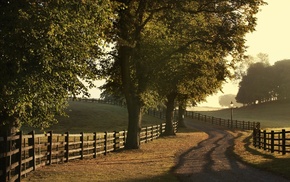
26 153
228 123
272 141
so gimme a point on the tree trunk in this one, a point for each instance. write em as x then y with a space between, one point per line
129 33
134 125
169 129
181 113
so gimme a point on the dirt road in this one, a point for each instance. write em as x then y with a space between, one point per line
211 161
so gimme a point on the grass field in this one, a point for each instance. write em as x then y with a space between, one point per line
153 162
91 117
271 115
149 163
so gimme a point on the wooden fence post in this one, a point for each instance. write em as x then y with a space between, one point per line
3 160
49 147
82 145
146 134
283 141
19 155
125 137
115 140
106 143
95 145
272 141
66 146
265 140
31 152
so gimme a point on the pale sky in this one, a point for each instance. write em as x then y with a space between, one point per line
272 36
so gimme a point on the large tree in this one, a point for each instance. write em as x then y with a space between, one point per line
280 77
256 85
189 79
202 26
48 50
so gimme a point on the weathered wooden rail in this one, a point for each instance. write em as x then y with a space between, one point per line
26 153
272 141
228 123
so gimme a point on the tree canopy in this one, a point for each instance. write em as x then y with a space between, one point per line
158 34
47 49
265 83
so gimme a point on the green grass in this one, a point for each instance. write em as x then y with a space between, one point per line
94 117
271 115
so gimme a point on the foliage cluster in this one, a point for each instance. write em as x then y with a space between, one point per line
48 48
168 51
264 83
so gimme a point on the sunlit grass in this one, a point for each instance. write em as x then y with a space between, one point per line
271 115
274 162
153 162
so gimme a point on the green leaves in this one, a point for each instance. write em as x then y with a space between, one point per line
47 50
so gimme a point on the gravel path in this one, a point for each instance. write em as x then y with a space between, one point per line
211 161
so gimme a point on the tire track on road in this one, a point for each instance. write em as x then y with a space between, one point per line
211 161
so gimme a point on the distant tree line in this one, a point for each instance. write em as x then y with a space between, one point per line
263 83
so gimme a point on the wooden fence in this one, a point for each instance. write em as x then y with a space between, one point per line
26 153
228 123
272 141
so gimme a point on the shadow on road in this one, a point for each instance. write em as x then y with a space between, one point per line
213 159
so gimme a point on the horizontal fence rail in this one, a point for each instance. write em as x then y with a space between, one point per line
228 123
272 141
26 153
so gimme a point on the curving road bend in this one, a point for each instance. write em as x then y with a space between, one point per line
211 161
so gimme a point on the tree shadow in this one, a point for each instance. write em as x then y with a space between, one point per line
205 167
